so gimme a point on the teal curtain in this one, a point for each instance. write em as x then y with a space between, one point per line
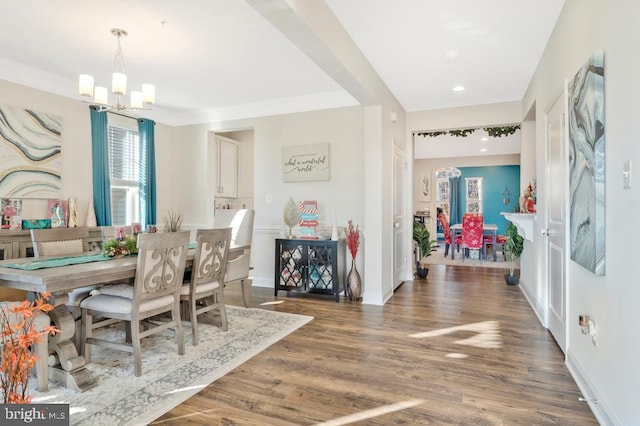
455 206
100 162
147 172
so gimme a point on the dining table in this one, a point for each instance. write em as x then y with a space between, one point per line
487 228
61 275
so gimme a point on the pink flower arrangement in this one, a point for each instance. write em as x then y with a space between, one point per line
353 239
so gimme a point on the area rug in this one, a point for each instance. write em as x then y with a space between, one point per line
167 378
437 258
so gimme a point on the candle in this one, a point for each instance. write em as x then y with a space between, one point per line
119 232
136 228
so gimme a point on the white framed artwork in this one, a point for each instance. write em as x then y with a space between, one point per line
305 163
31 152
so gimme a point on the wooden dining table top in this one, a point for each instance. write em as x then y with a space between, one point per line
63 279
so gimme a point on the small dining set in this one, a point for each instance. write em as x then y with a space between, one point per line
171 279
471 234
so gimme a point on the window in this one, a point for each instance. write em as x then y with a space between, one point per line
474 194
124 172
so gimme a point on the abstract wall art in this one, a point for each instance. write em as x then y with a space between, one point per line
587 165
31 152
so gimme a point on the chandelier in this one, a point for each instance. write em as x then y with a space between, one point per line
139 99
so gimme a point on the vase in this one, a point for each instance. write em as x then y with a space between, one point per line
73 213
354 284
91 215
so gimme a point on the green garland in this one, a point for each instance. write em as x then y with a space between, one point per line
462 133
494 132
124 247
500 131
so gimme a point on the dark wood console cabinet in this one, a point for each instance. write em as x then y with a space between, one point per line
309 266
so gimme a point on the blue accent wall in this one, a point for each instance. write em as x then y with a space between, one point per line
493 183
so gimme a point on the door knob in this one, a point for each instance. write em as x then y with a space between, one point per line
544 232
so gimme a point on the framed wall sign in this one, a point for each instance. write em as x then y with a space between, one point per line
305 163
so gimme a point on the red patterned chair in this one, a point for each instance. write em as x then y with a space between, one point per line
472 233
500 241
444 223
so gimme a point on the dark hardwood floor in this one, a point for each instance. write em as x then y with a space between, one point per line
460 347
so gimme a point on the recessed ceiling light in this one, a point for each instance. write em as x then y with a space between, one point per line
451 54
483 149
458 88
484 139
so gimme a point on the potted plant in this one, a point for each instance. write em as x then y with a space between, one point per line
513 248
424 246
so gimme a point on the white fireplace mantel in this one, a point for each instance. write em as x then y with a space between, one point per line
523 221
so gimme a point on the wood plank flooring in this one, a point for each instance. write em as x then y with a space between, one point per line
460 347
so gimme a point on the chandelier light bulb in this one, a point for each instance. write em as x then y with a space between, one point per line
85 85
119 83
148 93
101 95
136 99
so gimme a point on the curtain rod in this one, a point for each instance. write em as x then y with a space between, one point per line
122 114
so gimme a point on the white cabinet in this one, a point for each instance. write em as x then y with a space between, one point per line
227 185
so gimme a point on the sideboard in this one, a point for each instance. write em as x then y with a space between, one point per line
309 266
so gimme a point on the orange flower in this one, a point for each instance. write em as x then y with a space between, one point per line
19 334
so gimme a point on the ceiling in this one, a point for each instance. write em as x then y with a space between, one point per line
216 60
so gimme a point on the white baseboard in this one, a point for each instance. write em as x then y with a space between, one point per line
538 309
598 406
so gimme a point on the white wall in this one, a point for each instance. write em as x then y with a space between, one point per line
76 147
609 371
341 128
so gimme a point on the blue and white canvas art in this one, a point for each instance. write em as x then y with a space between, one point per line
31 153
587 165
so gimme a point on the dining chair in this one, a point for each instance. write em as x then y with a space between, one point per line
238 266
156 290
60 242
205 290
499 243
448 240
472 233
40 349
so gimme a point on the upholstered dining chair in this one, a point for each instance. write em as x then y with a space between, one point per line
472 233
59 242
238 265
204 292
500 242
156 290
40 349
444 223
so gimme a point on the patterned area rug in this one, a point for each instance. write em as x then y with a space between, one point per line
167 378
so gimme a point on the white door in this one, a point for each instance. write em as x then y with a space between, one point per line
399 216
556 140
